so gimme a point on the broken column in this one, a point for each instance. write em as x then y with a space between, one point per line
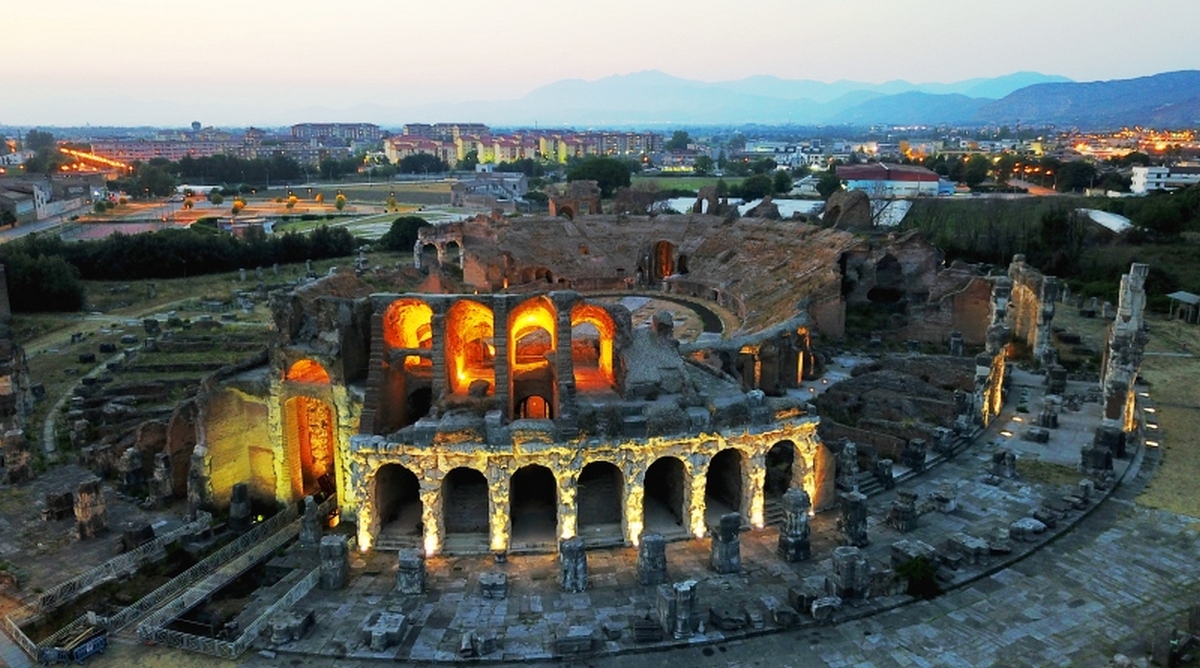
14 452
91 515
903 514
846 473
335 562
410 573
1048 416
652 559
572 560
794 542
162 484
726 556
1110 438
956 344
382 629
913 455
852 523
685 608
239 508
1004 464
199 481
310 524
130 476
851 577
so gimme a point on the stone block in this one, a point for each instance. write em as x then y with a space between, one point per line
645 629
726 555
493 585
382 629
972 549
291 625
851 576
822 609
794 535
904 551
652 559
572 561
852 521
59 506
410 572
335 562
1026 529
91 514
310 524
574 640
727 617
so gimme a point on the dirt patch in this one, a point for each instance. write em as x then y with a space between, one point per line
1172 381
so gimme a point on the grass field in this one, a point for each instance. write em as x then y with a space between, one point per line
684 182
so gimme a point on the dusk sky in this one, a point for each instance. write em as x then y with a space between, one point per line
277 62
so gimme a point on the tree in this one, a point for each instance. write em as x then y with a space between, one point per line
402 235
829 183
977 170
468 162
36 140
782 182
703 166
216 198
679 141
339 202
608 173
1004 167
757 187
422 163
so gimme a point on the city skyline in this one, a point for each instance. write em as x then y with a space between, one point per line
136 62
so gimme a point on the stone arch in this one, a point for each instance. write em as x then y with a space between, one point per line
725 485
780 465
681 266
889 281
664 497
307 371
396 500
408 324
470 352
567 212
533 506
430 256
465 503
453 254
532 343
592 335
533 407
662 260
599 502
310 431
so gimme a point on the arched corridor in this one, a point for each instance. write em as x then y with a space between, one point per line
465 510
397 497
663 507
599 503
533 504
724 484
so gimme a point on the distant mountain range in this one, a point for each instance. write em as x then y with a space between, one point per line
653 98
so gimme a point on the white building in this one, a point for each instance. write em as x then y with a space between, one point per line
1148 179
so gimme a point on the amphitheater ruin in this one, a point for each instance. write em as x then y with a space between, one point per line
551 405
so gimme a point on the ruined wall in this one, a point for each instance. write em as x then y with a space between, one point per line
959 301
1031 308
1127 339
234 427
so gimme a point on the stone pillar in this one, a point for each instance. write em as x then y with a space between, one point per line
15 451
726 554
91 514
199 480
853 520
851 578
956 344
335 562
500 370
310 524
239 508
132 478
652 559
913 455
437 328
685 606
162 485
572 560
564 371
410 574
903 515
794 534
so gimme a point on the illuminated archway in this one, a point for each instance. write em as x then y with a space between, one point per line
663 497
533 506
532 339
470 352
662 260
465 503
311 440
592 333
780 460
724 483
307 371
396 496
407 324
599 502
534 407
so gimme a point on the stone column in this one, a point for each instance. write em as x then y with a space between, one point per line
431 520
956 344
685 606
851 578
132 475
652 559
572 560
91 513
500 370
853 520
794 534
437 328
726 554
163 482
310 524
335 562
564 368
239 508
410 574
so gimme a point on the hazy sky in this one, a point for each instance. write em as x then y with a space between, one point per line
277 62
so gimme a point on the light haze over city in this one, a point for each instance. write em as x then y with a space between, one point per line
155 62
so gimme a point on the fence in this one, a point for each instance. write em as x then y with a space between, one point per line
13 631
117 566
